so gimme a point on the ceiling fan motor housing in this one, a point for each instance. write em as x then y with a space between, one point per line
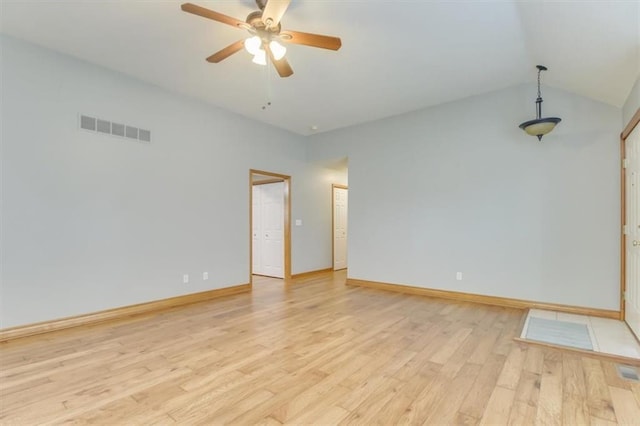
254 19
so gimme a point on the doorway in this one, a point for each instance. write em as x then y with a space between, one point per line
630 242
340 200
269 224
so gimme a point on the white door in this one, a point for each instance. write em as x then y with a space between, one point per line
256 230
268 229
632 296
340 204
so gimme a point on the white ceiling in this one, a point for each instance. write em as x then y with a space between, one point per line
396 56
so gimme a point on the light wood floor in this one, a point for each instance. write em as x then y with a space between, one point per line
310 352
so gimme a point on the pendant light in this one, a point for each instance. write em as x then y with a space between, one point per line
540 126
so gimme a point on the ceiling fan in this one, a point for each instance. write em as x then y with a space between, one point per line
266 33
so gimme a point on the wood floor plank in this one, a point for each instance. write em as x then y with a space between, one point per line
510 374
498 407
483 350
550 400
308 351
598 395
525 404
479 393
575 409
534 361
456 392
451 346
625 406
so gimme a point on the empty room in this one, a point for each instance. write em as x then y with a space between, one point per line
320 212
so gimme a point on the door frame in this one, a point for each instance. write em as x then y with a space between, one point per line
623 209
287 219
333 219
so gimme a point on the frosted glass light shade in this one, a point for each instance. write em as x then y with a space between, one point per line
277 49
252 44
540 126
260 57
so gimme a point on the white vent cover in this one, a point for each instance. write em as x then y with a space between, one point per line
628 372
94 124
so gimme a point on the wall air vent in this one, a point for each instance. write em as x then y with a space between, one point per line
99 125
117 129
87 123
131 132
628 372
104 126
144 135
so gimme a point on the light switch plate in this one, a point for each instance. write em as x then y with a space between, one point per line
298 222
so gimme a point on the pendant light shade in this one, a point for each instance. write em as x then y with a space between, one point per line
540 126
253 44
260 57
277 49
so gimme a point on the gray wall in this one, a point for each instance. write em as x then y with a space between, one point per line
460 187
632 104
92 222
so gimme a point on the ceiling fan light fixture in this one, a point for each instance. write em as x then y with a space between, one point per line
277 49
253 44
264 26
260 57
540 126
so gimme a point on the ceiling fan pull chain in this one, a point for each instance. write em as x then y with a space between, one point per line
268 84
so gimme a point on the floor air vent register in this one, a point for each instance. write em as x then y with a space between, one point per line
99 125
628 372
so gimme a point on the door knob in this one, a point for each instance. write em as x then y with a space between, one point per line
636 243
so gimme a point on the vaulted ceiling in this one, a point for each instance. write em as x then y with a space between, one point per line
396 56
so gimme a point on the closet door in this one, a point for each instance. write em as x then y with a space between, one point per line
632 246
256 225
273 229
340 204
268 229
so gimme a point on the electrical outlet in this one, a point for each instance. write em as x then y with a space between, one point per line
459 276
185 279
205 276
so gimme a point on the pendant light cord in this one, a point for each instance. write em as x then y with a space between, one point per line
539 94
539 100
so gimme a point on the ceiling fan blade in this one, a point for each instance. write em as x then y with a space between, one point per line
273 11
210 14
282 66
314 40
226 52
